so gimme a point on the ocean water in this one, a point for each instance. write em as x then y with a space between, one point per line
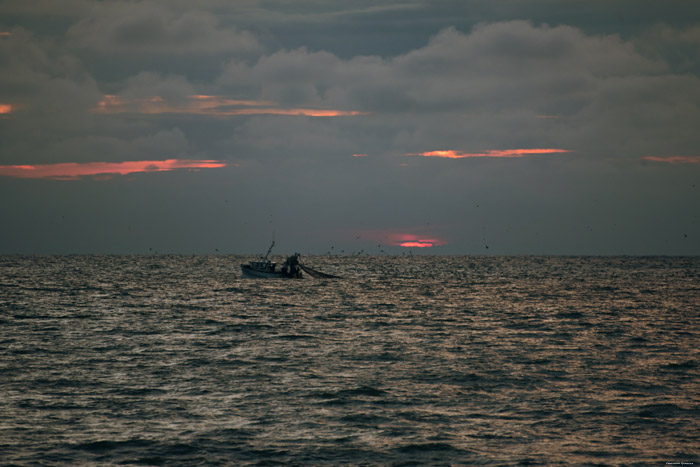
178 360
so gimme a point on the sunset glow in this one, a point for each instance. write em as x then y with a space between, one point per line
408 240
418 244
73 171
674 159
418 237
452 154
5 109
214 106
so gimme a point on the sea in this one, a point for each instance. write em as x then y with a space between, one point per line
403 360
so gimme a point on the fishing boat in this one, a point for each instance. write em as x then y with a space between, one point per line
291 269
266 268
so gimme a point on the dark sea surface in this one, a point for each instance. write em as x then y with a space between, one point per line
177 360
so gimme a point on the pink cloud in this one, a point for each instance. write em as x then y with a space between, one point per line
452 154
404 239
214 106
299 111
674 159
208 101
102 170
408 240
359 155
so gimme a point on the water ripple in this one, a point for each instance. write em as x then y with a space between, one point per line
170 360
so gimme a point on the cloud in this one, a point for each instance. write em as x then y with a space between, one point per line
490 87
511 84
214 106
678 45
41 78
673 159
73 171
452 154
126 82
49 91
99 144
156 29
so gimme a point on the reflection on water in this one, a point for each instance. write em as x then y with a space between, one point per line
483 360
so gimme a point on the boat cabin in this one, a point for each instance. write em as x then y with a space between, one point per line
266 265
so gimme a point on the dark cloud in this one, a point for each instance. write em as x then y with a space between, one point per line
50 92
504 85
154 29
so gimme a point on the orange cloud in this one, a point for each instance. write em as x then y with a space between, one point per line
5 109
208 101
215 106
452 154
674 159
419 244
5 33
305 112
359 155
102 170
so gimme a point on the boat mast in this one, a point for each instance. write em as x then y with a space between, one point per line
272 245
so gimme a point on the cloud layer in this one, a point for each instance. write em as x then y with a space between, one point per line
452 154
321 103
73 171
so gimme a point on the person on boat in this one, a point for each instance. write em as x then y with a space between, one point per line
291 266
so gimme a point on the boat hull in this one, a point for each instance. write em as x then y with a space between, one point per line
255 273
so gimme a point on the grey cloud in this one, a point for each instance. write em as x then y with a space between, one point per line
677 45
492 59
54 98
470 91
522 46
485 90
151 28
163 144
50 90
166 144
28 61
640 116
146 85
349 28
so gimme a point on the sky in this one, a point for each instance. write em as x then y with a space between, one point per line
541 127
